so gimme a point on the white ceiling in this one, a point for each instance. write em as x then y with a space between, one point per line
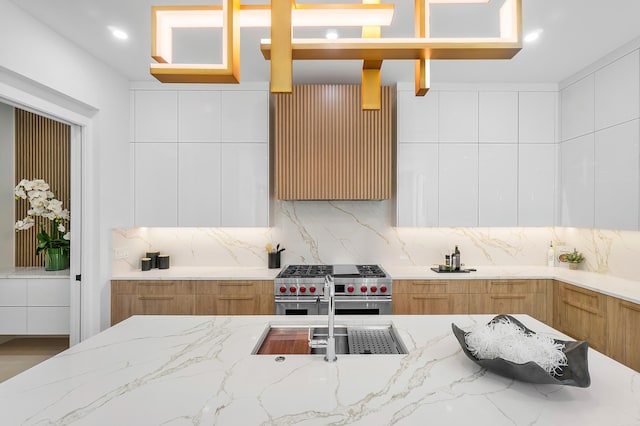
576 33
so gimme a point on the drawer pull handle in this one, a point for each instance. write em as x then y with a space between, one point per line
155 297
631 306
509 283
236 298
438 283
581 291
431 297
583 308
156 283
508 297
236 284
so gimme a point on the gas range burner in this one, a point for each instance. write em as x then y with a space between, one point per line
371 271
306 271
339 271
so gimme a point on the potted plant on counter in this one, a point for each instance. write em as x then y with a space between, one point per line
574 259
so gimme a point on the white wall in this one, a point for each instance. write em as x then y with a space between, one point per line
7 169
51 67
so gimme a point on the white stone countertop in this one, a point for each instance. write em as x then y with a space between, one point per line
151 370
32 272
201 273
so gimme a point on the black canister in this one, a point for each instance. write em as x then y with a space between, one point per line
274 260
153 255
145 263
163 261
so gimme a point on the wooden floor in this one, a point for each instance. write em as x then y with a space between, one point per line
22 353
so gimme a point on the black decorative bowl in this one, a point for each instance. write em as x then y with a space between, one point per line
575 373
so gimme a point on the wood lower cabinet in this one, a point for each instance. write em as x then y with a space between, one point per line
581 314
511 297
190 297
419 297
623 320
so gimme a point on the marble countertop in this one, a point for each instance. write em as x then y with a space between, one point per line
32 272
201 273
150 370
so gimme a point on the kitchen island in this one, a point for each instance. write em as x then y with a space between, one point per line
200 370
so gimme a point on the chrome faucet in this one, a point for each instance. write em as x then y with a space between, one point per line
329 295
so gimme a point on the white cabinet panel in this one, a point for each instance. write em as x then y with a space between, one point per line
199 184
156 116
156 184
199 116
245 184
458 116
245 116
498 177
617 91
616 177
536 184
417 184
577 182
498 117
48 292
417 117
458 185
13 320
577 108
48 320
537 117
13 292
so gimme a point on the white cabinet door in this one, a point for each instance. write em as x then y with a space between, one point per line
458 116
536 184
417 117
245 184
245 116
48 292
199 177
577 108
48 320
458 185
537 117
13 320
617 91
156 116
617 173
577 182
199 116
417 184
156 184
13 292
498 193
498 117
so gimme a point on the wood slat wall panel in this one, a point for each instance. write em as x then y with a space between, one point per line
328 148
42 152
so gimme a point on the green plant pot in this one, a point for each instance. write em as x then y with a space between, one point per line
56 259
573 265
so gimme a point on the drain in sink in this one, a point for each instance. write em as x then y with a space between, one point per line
371 341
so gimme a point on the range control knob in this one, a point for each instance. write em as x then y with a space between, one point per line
374 289
350 289
303 289
292 289
363 289
312 289
283 289
383 289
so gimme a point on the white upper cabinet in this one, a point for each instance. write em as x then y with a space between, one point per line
577 182
617 173
245 116
245 189
498 179
156 184
199 116
617 91
537 117
536 184
199 184
418 184
498 117
458 116
458 185
156 116
577 107
417 117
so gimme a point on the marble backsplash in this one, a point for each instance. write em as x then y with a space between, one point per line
361 232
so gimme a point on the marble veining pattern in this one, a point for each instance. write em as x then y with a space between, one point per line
198 370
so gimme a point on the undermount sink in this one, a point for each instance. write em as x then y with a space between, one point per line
280 339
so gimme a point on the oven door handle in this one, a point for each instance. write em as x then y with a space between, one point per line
353 300
285 300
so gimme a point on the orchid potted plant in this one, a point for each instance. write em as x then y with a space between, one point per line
43 206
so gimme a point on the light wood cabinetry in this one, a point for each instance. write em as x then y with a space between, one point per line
511 297
420 297
190 297
581 314
623 332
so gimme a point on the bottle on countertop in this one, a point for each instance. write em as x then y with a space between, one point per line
452 266
551 255
447 261
457 254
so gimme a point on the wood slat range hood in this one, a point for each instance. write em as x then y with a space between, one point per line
327 148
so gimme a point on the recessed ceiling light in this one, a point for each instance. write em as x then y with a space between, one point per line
533 35
118 33
331 34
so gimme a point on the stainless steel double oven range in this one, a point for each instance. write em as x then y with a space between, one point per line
360 290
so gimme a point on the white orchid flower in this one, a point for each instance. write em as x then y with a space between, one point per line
67 236
61 227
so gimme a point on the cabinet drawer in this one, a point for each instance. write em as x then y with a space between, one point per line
513 303
508 286
46 292
13 292
582 298
430 286
234 287
48 320
427 304
258 304
13 320
161 287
